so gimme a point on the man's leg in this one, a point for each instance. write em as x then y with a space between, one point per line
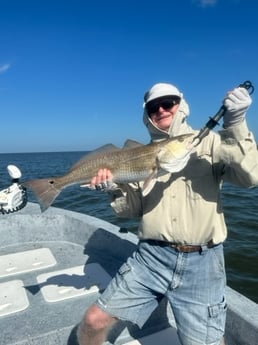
132 295
94 327
197 297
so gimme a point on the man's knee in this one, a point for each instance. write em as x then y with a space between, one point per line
96 319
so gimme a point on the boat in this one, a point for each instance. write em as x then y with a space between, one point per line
53 266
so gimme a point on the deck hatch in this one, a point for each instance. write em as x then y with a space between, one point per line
26 261
73 282
13 297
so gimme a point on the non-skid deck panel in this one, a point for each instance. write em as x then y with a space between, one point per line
73 282
167 336
13 297
26 261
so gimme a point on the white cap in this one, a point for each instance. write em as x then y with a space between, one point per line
160 90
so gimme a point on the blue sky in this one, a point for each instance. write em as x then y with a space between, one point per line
73 73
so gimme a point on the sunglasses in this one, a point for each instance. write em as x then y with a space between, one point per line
165 102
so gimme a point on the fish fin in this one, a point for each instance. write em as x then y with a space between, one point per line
149 183
103 149
175 165
45 191
129 144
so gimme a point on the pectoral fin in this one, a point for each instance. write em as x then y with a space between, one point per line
149 183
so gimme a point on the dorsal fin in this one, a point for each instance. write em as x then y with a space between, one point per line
129 144
103 149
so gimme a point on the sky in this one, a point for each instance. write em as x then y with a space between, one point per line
73 73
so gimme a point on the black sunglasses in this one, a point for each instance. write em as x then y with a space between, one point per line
164 102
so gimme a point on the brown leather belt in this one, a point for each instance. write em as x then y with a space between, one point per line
187 248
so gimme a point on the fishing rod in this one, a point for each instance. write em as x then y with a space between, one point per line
214 121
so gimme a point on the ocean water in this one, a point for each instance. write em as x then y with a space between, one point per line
240 208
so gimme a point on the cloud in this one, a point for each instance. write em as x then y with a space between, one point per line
206 3
4 68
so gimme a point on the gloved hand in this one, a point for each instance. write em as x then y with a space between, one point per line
237 102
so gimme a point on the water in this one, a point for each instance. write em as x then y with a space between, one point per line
240 208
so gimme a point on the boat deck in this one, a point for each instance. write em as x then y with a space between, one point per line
52 268
54 265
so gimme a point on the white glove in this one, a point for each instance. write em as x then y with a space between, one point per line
237 102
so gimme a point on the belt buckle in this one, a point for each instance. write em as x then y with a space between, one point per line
186 248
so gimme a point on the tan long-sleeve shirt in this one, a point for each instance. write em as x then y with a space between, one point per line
185 207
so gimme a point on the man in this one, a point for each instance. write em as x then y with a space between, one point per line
182 229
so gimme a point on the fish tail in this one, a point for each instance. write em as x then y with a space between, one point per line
45 190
